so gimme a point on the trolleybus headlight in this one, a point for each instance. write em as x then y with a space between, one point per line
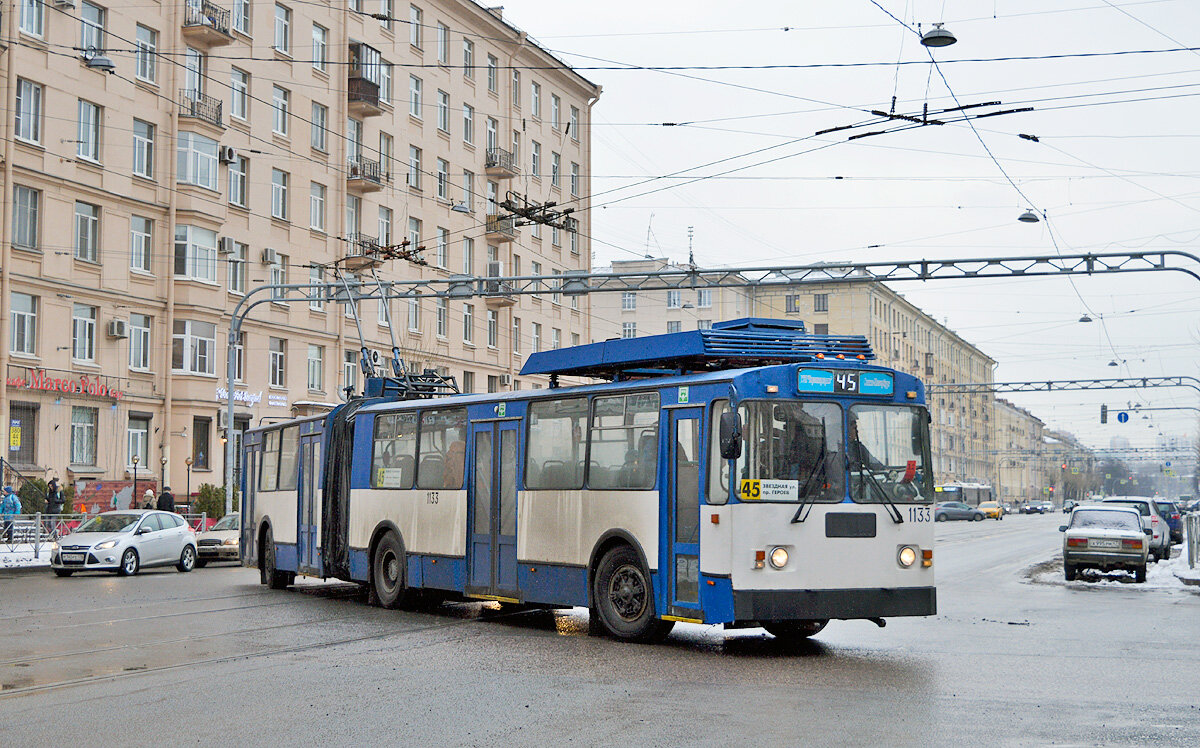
779 558
907 556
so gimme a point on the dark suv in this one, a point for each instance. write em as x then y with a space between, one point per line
1170 512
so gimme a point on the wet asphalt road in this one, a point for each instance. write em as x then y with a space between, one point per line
212 656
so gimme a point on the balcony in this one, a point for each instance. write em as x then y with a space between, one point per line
362 253
501 228
206 24
363 97
364 175
502 288
199 106
501 163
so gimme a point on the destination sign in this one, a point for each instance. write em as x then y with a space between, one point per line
850 382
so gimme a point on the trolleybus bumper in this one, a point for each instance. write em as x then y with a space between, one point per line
791 605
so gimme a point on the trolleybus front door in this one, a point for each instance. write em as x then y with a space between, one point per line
493 549
683 508
310 512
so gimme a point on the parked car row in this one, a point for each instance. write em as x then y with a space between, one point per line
1120 532
127 541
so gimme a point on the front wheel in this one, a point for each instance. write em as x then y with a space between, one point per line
624 598
129 563
187 559
939 518
977 518
796 630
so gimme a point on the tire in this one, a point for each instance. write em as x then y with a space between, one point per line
796 630
187 559
130 563
201 563
939 518
64 572
1070 572
268 574
1139 574
1166 553
977 518
389 573
623 596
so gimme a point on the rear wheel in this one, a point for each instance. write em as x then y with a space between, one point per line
977 517
1139 574
64 572
796 630
1069 572
129 563
939 518
187 559
388 574
624 598
268 574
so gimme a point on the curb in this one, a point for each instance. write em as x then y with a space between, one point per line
24 569
1192 581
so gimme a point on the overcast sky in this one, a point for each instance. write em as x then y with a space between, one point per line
1116 167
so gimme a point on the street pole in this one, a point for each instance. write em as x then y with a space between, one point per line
133 501
163 487
188 461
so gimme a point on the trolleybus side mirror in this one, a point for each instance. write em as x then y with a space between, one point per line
731 435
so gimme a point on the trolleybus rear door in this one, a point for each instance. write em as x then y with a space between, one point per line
492 558
310 512
683 508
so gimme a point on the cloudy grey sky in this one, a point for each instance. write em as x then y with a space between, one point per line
1116 167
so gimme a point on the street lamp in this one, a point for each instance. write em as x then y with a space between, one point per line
164 473
133 501
188 461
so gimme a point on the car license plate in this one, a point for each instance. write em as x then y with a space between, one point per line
1104 544
72 557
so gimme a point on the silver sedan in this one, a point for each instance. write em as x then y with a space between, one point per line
126 541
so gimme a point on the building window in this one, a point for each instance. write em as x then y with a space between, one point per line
573 125
821 328
414 231
283 30
555 169
316 277
674 326
87 231
493 328
320 47
140 233
791 304
237 267
147 59
320 126
83 332
555 338
516 88
674 299
279 270
443 111
468 197
241 16
535 99
555 112
628 300
238 181
26 209
239 357
493 80
33 17
201 438
469 324
316 367
279 194
537 336
516 335
535 159
350 370
193 72
316 206
704 324
91 27
491 134
821 302
468 382
197 160
139 341
83 435
196 253
385 226
414 96
414 315
414 167
277 349
443 317
415 25
24 324
443 248
137 437
29 109
468 123
468 58
280 102
574 178
239 94
443 179
88 146
704 298
628 329
443 43
468 255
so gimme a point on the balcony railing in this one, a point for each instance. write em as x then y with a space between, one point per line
206 21
363 95
362 252
504 227
198 105
365 174
501 161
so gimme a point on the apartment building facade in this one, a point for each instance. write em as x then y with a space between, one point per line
903 336
194 151
1020 462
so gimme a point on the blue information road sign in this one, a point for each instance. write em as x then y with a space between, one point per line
1123 417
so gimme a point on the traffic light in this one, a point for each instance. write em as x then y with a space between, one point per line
1103 414
1064 466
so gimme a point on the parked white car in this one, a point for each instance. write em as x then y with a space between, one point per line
126 541
1160 539
1105 537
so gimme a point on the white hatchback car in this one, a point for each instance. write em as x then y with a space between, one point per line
1160 539
126 541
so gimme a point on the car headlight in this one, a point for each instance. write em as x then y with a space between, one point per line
231 541
906 556
779 558
106 545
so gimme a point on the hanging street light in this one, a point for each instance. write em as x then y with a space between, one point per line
1029 217
938 37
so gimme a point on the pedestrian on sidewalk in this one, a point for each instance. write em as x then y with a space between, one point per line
166 500
148 499
54 497
10 507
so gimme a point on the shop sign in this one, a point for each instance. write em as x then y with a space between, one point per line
82 385
14 435
239 396
277 401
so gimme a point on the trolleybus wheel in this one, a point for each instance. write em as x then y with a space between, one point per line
387 572
624 598
268 574
793 630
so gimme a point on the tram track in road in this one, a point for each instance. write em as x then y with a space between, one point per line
93 611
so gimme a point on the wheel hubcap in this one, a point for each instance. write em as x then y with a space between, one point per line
627 593
391 569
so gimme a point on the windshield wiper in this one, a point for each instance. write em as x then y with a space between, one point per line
818 467
863 469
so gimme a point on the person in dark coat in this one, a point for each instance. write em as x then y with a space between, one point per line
166 500
54 497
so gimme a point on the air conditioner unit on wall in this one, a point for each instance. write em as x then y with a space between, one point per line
506 380
118 328
269 257
225 245
226 154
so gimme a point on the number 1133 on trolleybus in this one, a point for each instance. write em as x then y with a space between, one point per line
747 475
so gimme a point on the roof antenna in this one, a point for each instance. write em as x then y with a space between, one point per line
691 256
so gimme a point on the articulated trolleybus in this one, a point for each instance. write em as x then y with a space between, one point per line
747 475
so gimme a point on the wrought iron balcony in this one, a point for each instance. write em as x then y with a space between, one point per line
501 163
200 106
364 175
206 23
362 252
501 227
493 285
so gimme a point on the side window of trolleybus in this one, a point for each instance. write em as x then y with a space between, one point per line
889 454
289 454
624 442
442 453
394 455
797 445
718 469
554 455
268 477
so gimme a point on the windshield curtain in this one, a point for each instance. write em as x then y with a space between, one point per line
800 443
110 523
889 454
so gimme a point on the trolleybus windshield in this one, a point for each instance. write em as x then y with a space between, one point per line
793 451
889 454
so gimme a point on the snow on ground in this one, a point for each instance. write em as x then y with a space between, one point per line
1172 574
21 554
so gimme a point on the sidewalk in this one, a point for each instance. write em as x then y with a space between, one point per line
20 556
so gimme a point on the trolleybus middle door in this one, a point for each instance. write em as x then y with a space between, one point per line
683 510
492 556
308 524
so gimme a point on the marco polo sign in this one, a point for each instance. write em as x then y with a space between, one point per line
67 383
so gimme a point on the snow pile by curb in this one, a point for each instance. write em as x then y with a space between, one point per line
21 556
1172 574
